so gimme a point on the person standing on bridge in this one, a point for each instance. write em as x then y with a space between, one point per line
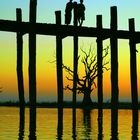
81 12
68 12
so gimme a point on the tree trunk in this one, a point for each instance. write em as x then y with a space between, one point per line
87 99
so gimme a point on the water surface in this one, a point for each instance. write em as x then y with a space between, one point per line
52 124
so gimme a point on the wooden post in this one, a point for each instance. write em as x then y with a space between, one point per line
32 55
75 60
20 62
32 69
100 61
75 65
59 61
133 65
20 76
114 74
114 59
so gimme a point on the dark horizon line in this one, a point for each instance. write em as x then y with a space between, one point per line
68 104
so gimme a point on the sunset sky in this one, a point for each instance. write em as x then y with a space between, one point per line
46 71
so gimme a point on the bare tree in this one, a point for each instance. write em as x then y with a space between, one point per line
86 83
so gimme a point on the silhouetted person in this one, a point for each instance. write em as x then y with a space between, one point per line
68 10
80 12
75 13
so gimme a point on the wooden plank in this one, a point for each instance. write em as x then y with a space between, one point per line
133 65
70 30
114 59
59 61
99 61
20 62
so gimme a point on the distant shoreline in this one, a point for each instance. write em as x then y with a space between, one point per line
121 105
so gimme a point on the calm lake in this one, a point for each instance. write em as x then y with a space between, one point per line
52 124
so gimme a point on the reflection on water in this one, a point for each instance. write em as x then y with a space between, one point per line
135 125
100 124
68 124
60 124
74 123
87 123
32 124
21 123
114 124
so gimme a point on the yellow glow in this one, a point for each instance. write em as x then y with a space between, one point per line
46 71
47 123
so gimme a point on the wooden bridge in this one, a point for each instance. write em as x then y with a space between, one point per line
70 30
61 31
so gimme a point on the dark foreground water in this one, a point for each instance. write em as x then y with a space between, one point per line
52 124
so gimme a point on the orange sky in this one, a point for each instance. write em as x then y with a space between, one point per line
46 71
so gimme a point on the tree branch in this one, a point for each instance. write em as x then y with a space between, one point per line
69 78
68 69
68 88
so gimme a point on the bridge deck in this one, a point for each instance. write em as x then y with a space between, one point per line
63 30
